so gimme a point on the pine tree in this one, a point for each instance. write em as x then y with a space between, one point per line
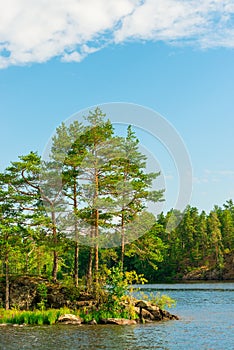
227 229
203 236
132 189
227 225
10 229
215 238
68 151
36 189
95 199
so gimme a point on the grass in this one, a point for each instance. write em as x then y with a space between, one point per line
36 317
50 316
102 313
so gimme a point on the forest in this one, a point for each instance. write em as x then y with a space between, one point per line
82 208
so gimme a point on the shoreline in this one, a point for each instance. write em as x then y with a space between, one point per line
144 312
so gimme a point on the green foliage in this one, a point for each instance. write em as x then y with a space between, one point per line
72 292
117 283
161 300
42 292
37 317
120 299
198 242
99 314
31 243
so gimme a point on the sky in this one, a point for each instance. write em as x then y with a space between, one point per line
175 57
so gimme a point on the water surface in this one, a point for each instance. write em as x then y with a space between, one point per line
206 312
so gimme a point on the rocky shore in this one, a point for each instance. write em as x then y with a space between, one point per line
145 310
146 313
24 295
203 273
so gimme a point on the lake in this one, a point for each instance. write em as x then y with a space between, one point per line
206 312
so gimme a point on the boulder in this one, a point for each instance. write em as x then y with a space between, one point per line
142 304
85 296
69 319
23 292
168 316
156 312
147 315
88 303
149 312
92 322
118 321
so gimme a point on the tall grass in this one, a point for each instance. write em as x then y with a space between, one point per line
35 317
50 316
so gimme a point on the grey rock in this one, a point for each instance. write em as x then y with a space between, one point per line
69 319
92 322
118 321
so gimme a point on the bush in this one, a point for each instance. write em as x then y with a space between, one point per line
158 299
42 291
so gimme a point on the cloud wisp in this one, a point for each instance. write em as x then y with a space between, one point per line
209 176
36 31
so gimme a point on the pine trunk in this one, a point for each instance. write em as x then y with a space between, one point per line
122 241
90 267
55 253
7 290
76 256
76 264
96 224
55 266
96 254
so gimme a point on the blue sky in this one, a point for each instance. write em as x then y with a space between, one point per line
172 56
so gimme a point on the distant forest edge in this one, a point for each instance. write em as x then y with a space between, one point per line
106 186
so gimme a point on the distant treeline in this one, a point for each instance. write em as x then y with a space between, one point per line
198 240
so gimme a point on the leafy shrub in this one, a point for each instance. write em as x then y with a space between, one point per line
42 291
161 300
120 292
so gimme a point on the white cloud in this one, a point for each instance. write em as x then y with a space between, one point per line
225 172
199 180
161 20
79 56
206 22
36 31
209 176
73 57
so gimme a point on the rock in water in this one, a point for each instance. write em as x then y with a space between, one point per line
93 322
147 311
118 321
69 319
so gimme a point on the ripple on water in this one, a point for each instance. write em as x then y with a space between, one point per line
206 322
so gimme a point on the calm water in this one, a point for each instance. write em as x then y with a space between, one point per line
206 322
